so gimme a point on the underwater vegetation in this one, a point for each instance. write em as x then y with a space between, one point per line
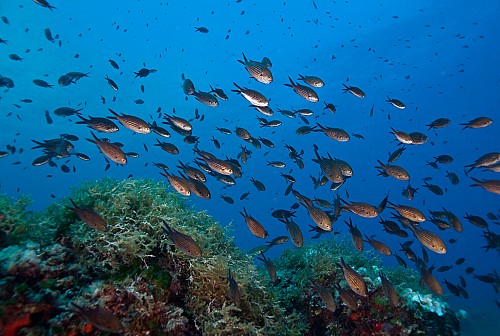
63 277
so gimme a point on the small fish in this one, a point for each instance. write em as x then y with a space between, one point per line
439 123
234 290
379 246
326 296
261 72
353 279
100 318
312 80
219 93
357 92
429 240
133 123
303 91
113 64
396 103
453 178
111 83
227 199
112 151
492 186
48 118
254 97
255 226
184 242
479 122
103 125
389 290
357 238
206 98
445 268
203 30
89 217
42 83
271 269
459 261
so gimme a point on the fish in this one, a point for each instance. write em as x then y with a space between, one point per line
402 137
492 186
459 261
227 199
144 72
278 240
234 290
113 64
294 231
399 173
438 123
389 290
409 192
100 318
167 147
178 122
485 160
258 184
255 226
355 91
180 184
435 189
42 83
219 93
361 209
271 269
353 279
45 4
357 238
206 98
453 178
89 217
131 122
396 103
48 118
203 30
396 154
110 150
187 86
379 246
408 212
444 268
254 97
312 81
111 83
183 242
326 296
261 72
334 133
305 92
347 297
476 220
479 122
429 240
103 125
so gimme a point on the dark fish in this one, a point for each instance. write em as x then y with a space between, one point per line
65 111
219 93
271 269
453 178
184 242
48 118
100 318
312 80
389 290
48 35
357 238
355 91
89 217
396 103
144 72
254 97
326 296
459 261
206 98
439 123
305 92
113 64
42 83
227 199
111 83
103 125
234 290
203 30
44 3
478 123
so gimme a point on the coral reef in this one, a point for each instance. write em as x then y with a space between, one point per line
137 274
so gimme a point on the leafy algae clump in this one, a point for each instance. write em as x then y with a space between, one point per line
16 223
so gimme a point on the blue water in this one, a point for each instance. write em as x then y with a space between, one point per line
439 58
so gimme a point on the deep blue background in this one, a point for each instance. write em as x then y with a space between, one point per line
439 58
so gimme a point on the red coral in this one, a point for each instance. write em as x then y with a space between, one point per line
12 327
